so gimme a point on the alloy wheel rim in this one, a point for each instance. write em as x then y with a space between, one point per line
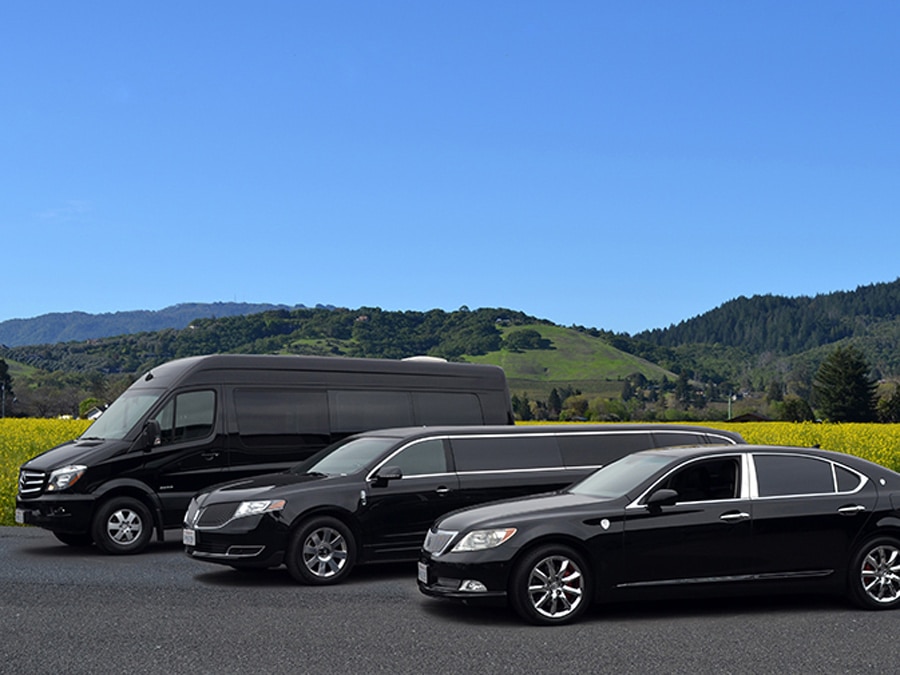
325 552
556 587
880 574
124 526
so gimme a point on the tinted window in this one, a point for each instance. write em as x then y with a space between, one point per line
353 411
421 458
778 475
490 453
671 438
445 408
705 480
269 418
188 416
600 449
847 481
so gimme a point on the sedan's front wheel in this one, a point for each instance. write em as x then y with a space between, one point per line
875 574
322 551
550 585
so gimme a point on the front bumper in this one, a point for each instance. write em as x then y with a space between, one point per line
70 514
258 542
457 576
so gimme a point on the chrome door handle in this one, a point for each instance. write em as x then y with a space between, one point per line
851 510
734 517
443 490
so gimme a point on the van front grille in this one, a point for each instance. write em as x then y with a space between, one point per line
31 483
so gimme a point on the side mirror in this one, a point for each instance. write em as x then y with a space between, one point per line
660 498
151 436
386 475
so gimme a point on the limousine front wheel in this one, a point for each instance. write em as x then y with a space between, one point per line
550 585
322 551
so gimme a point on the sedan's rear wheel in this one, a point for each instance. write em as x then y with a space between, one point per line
550 585
875 574
322 551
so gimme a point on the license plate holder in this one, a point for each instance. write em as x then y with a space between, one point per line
423 572
20 516
188 537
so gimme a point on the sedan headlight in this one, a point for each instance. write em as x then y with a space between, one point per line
64 478
257 507
479 540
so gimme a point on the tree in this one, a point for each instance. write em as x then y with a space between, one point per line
889 407
843 390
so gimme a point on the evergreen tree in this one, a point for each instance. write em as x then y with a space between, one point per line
843 389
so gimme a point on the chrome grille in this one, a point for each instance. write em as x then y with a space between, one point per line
437 540
31 483
215 515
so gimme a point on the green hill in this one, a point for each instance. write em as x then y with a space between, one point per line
572 359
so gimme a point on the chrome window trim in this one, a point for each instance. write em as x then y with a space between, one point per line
744 492
863 479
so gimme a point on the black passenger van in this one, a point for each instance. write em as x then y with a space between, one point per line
196 421
372 497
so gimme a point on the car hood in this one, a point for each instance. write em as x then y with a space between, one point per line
273 486
80 451
507 512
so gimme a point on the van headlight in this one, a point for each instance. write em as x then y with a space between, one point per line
257 507
479 540
64 478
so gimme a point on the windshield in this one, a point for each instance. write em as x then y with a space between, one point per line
346 457
126 411
620 477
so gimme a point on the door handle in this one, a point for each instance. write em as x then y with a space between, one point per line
734 516
851 510
443 490
209 456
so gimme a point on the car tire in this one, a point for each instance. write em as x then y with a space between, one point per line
551 585
322 551
122 525
875 574
79 539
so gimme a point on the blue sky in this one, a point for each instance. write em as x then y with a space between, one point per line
619 165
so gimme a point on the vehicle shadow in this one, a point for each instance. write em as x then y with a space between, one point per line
279 576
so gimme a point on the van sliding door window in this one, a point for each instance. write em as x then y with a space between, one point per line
353 411
446 408
187 417
280 418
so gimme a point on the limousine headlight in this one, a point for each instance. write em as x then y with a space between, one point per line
64 478
479 540
257 507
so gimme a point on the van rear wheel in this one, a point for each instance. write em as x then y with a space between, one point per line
122 525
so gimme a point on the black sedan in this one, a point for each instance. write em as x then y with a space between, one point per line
712 520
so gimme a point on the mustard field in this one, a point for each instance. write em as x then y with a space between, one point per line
21 439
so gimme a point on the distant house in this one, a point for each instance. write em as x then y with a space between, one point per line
93 413
750 417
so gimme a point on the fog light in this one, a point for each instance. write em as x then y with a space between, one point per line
472 586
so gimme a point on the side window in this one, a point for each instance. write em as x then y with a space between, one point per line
665 439
353 411
582 449
780 475
500 453
446 408
421 458
187 417
280 417
706 480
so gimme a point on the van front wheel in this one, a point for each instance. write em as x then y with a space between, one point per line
122 525
322 551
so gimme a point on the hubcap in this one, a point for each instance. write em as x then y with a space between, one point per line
556 587
880 574
325 552
124 526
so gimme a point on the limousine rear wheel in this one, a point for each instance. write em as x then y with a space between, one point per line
875 574
550 585
322 551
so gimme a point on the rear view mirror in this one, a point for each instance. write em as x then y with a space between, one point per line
387 474
663 497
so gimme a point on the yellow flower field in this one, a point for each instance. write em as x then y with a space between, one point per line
21 439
